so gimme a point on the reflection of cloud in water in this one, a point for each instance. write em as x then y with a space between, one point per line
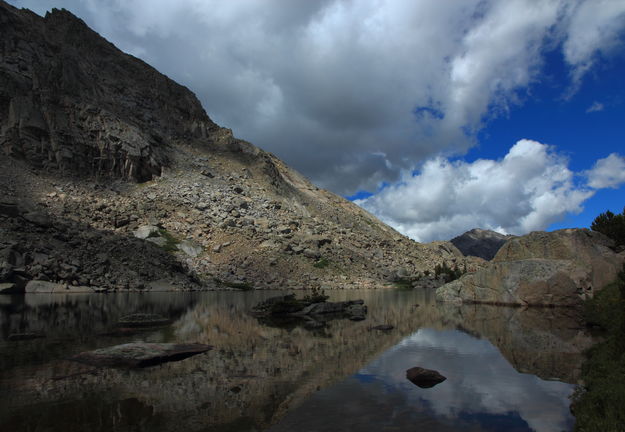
479 380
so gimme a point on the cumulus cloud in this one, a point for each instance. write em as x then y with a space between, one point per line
594 28
353 92
527 190
608 172
595 107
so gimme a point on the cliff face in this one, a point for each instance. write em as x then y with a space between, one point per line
71 101
98 147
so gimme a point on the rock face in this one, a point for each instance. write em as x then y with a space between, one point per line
541 268
60 110
139 354
480 243
81 123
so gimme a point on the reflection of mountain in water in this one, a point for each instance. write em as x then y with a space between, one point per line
255 373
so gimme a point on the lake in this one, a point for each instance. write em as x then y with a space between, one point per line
507 369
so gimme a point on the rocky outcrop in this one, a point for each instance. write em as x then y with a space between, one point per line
541 268
71 101
480 243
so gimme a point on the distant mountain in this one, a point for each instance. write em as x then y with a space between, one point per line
480 243
113 176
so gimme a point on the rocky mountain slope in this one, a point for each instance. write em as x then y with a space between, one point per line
112 176
541 268
480 243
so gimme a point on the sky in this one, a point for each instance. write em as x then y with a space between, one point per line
435 116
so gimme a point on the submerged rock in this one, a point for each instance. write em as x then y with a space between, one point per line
139 354
424 378
143 320
25 336
383 327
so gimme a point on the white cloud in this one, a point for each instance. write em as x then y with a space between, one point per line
595 107
527 190
373 86
594 27
608 172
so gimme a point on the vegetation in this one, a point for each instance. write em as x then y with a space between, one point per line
172 242
448 273
611 225
598 405
321 263
316 296
403 283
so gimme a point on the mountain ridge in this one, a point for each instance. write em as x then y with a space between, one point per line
100 148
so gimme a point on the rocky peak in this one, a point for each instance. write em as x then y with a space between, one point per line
71 101
480 243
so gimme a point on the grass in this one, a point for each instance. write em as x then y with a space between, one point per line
599 404
321 263
172 242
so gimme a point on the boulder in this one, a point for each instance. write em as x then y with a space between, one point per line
424 378
145 231
139 354
8 288
557 268
39 287
190 248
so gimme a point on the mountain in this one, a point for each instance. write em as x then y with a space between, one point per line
114 177
480 243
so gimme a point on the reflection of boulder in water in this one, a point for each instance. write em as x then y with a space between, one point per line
288 312
547 342
424 378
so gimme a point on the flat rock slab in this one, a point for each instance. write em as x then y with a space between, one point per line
139 354
424 378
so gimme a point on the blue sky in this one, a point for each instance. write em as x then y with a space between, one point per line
547 116
451 114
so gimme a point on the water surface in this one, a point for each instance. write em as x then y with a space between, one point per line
507 368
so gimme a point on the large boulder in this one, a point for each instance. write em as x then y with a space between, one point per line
541 268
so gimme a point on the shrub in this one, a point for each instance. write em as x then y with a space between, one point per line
321 263
598 405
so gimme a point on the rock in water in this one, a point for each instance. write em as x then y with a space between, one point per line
139 354
424 378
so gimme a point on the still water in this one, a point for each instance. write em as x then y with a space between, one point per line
507 369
